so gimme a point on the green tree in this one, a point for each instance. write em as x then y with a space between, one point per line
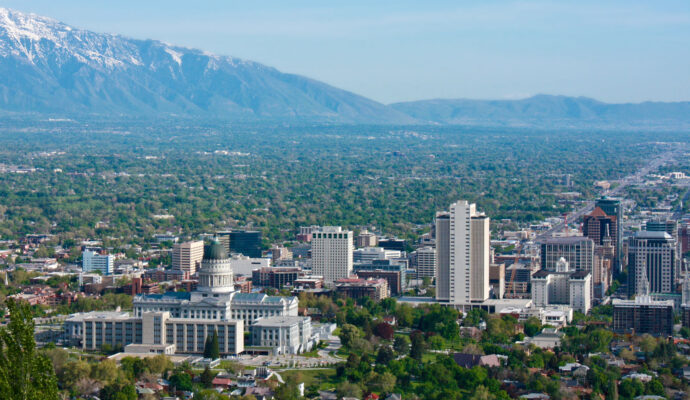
158 364
481 393
72 372
211 349
181 381
655 387
118 391
685 332
348 334
58 357
349 389
385 355
207 347
25 374
418 345
532 326
207 377
401 344
105 371
215 350
133 367
381 383
288 391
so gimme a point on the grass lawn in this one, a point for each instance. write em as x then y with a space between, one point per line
323 378
428 357
314 353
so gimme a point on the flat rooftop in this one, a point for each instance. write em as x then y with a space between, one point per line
80 317
278 321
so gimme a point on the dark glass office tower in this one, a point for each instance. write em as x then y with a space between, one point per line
247 243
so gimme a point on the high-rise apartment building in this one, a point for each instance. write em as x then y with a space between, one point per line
462 254
187 256
92 261
480 237
442 256
331 253
652 258
613 207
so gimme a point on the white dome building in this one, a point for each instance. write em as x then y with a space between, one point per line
215 274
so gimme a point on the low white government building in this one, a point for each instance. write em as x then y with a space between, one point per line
186 319
285 335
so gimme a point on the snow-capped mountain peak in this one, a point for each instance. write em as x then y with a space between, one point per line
48 66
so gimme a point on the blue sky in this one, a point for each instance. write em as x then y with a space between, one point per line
615 51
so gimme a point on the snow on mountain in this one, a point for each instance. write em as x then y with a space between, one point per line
49 67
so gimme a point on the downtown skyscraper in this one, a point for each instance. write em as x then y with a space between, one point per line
462 254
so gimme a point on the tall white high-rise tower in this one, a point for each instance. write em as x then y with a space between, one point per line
331 253
462 254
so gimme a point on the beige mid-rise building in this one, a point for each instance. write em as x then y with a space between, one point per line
187 256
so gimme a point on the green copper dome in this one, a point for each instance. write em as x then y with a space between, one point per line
215 251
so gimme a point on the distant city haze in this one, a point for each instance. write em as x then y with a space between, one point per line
401 50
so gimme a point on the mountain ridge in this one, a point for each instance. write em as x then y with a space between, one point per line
48 67
550 111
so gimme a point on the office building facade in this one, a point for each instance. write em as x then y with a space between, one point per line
395 273
275 277
355 288
643 315
93 261
614 208
652 257
187 256
423 261
331 253
366 239
578 251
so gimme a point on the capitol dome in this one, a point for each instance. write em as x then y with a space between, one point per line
215 251
215 274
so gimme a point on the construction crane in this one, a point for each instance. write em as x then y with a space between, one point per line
518 249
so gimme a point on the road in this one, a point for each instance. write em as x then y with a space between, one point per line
633 179
679 212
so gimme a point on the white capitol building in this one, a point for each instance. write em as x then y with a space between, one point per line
179 322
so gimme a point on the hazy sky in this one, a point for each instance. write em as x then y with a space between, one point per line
398 50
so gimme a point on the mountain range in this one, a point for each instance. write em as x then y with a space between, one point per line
48 67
